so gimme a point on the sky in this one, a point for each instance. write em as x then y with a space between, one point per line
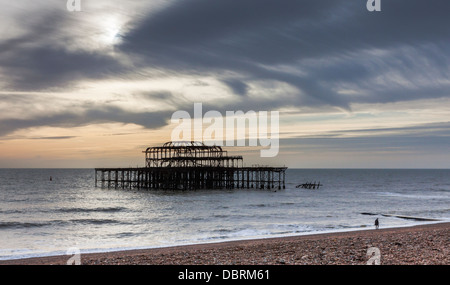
353 88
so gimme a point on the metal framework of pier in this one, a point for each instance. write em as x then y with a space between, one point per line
190 166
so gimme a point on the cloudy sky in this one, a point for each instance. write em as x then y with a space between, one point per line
353 88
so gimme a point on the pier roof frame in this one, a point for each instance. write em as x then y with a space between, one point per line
189 153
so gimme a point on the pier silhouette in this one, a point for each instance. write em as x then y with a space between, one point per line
190 166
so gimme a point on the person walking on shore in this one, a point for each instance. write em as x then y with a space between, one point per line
376 224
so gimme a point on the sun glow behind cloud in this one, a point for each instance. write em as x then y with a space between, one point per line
112 29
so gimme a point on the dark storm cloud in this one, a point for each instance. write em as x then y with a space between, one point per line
441 129
399 54
93 115
47 68
238 87
430 137
246 37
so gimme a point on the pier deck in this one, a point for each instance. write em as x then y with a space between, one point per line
191 178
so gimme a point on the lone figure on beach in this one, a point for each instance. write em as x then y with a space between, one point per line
376 224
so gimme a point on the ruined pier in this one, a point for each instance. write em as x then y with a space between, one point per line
191 166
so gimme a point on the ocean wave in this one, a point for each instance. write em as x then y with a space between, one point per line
258 205
22 225
286 203
9 225
439 189
427 213
125 234
15 211
412 196
196 219
220 216
274 230
222 230
233 234
90 210
96 221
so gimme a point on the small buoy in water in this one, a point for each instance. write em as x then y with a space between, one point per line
51 179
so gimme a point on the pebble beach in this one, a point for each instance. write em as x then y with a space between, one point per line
416 245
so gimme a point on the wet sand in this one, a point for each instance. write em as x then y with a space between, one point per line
417 245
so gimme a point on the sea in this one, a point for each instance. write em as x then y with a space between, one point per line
40 216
